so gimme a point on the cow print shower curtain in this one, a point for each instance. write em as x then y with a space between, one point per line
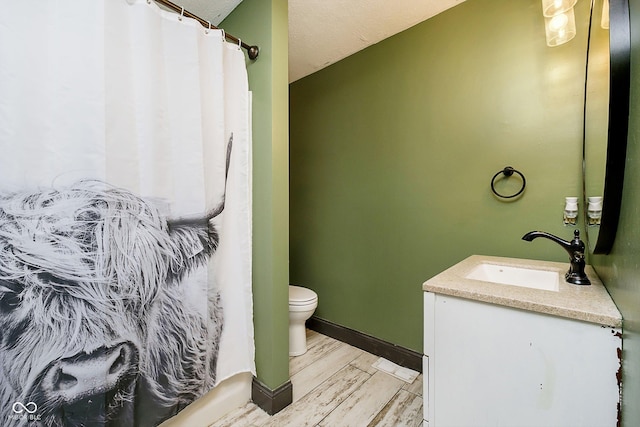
125 214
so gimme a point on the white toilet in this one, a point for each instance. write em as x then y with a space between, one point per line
302 304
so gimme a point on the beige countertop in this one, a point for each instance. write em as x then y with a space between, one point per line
588 303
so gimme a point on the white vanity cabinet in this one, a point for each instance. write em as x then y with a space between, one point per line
487 363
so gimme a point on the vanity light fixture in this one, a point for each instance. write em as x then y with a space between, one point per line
604 21
551 8
559 21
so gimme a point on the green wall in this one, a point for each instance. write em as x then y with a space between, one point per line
264 22
393 150
620 270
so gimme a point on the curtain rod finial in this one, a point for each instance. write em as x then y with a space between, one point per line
253 52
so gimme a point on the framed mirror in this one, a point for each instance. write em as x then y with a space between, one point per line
606 120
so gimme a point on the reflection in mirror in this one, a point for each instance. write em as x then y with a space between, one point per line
610 164
596 119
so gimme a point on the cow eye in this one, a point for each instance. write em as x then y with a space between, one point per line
9 297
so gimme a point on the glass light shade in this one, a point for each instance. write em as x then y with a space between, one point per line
560 28
604 22
555 7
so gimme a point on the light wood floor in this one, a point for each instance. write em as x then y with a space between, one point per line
335 385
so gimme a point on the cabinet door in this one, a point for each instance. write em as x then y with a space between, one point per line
427 368
499 366
425 390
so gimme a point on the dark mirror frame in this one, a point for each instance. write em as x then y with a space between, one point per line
619 78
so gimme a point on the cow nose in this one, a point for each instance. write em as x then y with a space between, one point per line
85 374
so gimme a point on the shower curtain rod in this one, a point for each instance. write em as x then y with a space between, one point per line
252 51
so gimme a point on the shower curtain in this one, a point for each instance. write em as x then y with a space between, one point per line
125 246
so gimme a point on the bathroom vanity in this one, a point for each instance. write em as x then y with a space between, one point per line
507 342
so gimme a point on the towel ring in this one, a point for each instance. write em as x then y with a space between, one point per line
508 171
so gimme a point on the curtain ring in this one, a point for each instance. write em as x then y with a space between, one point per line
207 31
239 44
181 14
224 37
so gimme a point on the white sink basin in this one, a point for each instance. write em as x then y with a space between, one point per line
516 276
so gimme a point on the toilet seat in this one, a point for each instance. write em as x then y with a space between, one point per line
301 296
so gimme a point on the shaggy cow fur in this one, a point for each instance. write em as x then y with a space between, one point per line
92 288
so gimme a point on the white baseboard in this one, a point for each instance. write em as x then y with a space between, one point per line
230 394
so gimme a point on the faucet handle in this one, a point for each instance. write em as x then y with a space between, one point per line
577 243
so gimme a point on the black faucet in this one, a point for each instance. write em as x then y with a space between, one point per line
575 248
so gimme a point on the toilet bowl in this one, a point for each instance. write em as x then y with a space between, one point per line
302 304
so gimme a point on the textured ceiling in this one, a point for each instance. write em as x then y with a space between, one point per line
209 10
322 32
